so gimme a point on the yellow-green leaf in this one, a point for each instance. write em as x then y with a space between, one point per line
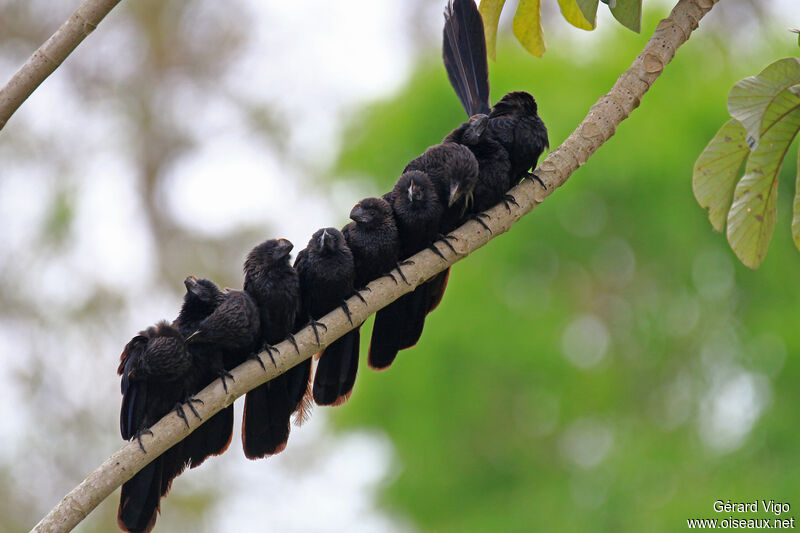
751 219
796 205
490 11
716 170
750 98
629 14
528 26
589 10
573 14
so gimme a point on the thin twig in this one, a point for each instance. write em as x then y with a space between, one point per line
598 126
51 54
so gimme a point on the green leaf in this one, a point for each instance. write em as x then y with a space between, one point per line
716 170
574 15
629 14
589 10
751 219
490 11
750 98
528 26
795 30
796 205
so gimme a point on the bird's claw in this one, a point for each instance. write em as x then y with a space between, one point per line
139 438
445 239
346 310
478 217
181 413
532 176
294 343
400 270
257 358
225 374
509 199
389 274
435 250
357 294
314 325
190 403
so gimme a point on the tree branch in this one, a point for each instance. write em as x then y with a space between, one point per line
51 54
598 126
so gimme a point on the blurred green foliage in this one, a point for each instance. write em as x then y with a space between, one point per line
683 386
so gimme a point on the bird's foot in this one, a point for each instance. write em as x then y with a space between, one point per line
181 413
445 239
532 176
139 438
478 217
346 310
257 358
509 199
407 262
225 374
294 343
190 404
438 252
314 325
357 294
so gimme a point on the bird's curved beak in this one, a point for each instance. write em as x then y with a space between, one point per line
191 284
358 214
285 246
455 194
411 190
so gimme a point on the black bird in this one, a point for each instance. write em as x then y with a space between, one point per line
231 332
453 170
274 285
154 367
417 214
373 238
513 123
213 437
327 274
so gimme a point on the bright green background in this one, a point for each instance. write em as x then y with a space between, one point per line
479 410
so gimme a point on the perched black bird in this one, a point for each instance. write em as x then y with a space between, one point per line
453 170
513 123
231 332
417 214
373 238
154 367
327 275
213 437
274 285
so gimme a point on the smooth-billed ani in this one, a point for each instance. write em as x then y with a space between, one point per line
327 274
274 285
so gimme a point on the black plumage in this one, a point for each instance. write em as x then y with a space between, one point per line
417 214
374 239
514 136
214 436
327 274
275 287
154 367
464 54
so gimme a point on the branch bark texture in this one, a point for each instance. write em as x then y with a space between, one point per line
598 126
51 54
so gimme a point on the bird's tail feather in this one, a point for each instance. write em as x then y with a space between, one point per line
336 370
464 54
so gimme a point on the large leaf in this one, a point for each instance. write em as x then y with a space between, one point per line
629 14
574 15
589 10
716 170
751 219
528 26
796 205
750 98
490 11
